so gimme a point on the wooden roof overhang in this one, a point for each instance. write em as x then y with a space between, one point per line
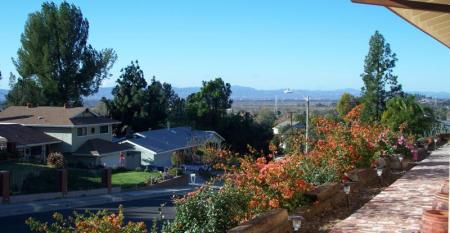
430 16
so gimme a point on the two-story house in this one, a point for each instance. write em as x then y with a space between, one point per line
83 135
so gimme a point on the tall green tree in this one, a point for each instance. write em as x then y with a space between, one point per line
406 110
54 48
24 91
346 103
380 84
176 108
158 103
208 106
266 117
142 106
129 98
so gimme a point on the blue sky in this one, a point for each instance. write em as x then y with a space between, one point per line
294 44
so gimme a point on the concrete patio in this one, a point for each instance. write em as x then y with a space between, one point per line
399 207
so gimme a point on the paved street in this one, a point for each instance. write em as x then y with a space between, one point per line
135 210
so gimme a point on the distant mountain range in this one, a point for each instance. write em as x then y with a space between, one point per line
249 93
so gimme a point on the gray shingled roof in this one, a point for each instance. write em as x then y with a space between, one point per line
163 140
97 147
22 135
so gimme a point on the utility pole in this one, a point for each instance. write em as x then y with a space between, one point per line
276 106
307 124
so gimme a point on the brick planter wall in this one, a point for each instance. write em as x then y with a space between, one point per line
274 221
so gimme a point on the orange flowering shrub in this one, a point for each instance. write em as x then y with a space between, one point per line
346 145
102 221
271 184
262 184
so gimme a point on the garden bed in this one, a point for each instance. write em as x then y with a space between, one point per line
322 216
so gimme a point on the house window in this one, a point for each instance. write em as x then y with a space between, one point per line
93 130
81 131
104 129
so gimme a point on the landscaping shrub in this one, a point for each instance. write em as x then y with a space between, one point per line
6 155
207 210
336 147
55 160
271 184
99 222
175 171
318 172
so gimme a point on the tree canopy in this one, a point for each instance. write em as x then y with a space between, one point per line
380 84
206 107
129 97
24 91
346 103
266 117
142 106
408 112
55 50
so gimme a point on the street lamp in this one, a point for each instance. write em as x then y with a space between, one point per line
193 176
307 124
296 222
400 158
347 190
380 175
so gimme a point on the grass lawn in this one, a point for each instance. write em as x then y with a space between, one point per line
78 179
132 178
22 168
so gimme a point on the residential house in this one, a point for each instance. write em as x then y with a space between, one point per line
84 136
28 142
156 147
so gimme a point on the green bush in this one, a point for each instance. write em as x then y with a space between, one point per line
318 173
101 221
174 171
208 210
6 155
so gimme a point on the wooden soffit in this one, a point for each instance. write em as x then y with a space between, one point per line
430 16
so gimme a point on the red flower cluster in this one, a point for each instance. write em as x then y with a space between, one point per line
272 184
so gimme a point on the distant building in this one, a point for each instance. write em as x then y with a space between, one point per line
155 147
285 125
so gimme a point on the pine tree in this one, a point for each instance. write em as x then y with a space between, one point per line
54 48
129 102
380 84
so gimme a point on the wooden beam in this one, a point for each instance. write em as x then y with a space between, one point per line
407 4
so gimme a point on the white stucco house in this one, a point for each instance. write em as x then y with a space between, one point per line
156 147
82 136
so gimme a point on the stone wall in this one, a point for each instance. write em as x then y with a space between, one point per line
274 221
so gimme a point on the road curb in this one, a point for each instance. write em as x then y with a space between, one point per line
69 203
